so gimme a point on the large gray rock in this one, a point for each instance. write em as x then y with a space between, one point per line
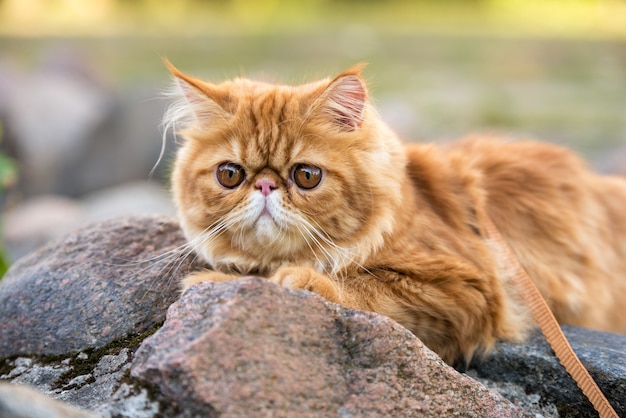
36 220
252 348
98 285
534 367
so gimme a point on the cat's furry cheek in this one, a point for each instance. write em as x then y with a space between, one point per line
204 276
307 279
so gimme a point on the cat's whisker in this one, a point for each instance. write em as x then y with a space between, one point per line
329 259
306 234
208 235
342 252
339 275
157 258
345 254
172 260
232 223
317 234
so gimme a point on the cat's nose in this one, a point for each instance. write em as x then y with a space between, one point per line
265 185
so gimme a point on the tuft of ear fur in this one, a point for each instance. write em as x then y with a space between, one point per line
197 101
345 99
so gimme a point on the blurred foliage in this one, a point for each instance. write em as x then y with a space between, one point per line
4 262
7 170
7 179
581 18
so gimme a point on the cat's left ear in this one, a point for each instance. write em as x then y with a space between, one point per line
206 101
345 98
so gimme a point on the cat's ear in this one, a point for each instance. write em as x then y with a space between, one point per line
206 101
345 99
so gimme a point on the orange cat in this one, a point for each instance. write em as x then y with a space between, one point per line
305 185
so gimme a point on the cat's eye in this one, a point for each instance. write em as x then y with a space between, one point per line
230 175
306 176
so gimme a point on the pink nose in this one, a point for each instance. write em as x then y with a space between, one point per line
266 186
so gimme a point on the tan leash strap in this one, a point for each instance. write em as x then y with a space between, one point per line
549 326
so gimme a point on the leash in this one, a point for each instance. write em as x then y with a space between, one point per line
551 330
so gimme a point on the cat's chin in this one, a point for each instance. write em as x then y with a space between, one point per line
266 232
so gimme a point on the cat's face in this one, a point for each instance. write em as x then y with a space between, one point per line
270 175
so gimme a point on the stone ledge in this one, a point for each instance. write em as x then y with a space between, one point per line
534 367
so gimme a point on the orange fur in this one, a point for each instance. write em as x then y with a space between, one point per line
390 228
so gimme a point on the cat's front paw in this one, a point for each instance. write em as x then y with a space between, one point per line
308 279
204 276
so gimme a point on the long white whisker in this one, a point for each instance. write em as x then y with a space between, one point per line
339 276
308 235
345 254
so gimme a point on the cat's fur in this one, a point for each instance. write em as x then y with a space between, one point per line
394 229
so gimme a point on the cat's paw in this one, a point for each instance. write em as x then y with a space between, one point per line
204 276
308 279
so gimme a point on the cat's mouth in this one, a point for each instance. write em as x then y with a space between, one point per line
265 217
269 214
268 224
266 213
265 223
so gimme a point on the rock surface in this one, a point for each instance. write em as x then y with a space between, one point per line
251 348
534 367
37 220
96 286
82 324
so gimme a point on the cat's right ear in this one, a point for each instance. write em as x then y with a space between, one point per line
344 99
206 101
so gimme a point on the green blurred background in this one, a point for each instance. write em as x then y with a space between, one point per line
549 69
555 69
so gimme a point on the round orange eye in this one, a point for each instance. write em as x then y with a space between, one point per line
306 176
230 175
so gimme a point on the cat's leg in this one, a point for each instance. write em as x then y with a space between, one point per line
205 276
308 279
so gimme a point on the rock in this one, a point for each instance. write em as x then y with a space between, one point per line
252 348
39 219
533 403
133 198
98 285
71 131
94 381
127 147
534 367
50 115
20 401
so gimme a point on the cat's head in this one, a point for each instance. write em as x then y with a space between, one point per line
271 174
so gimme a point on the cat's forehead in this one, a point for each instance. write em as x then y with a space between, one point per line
247 86
269 125
276 146
251 88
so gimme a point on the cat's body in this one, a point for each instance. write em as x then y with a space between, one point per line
308 187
